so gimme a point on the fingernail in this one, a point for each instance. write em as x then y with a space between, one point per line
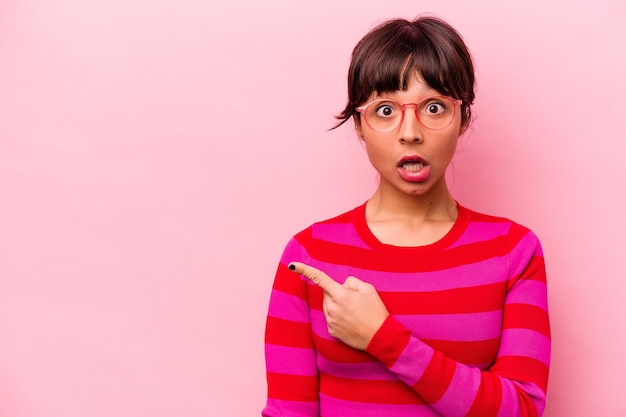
292 267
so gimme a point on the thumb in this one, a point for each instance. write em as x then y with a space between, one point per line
353 283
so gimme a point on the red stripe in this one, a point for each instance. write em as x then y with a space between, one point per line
526 316
316 297
470 353
535 271
487 218
336 351
516 234
399 262
292 387
289 282
488 398
520 368
288 333
368 391
476 299
388 353
436 379
527 406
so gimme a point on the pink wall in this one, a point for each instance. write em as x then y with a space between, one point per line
156 156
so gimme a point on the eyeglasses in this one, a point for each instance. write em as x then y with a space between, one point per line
385 115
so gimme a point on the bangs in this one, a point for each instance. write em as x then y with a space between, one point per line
384 60
389 67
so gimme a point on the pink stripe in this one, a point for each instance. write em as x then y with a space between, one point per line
535 393
526 248
524 342
470 327
294 251
510 403
510 399
460 394
319 326
332 407
438 327
482 231
275 408
343 233
288 307
452 278
529 292
282 360
413 361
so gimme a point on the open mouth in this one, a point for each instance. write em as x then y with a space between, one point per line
412 166
412 163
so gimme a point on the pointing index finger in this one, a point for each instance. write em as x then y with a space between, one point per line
316 276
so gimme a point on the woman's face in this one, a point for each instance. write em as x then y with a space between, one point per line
411 159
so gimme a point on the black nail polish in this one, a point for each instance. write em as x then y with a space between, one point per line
292 267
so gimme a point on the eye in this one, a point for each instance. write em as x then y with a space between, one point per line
434 108
385 110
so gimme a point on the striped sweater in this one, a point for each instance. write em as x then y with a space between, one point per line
468 332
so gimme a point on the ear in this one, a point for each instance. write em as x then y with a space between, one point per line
463 128
465 125
357 127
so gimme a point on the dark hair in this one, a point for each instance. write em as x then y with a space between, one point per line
387 56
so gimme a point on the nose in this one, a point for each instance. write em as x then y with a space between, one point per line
410 128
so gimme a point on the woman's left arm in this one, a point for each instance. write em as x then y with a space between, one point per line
514 385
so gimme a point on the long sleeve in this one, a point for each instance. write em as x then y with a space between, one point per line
292 375
515 383
468 333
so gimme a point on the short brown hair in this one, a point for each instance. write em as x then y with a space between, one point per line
387 56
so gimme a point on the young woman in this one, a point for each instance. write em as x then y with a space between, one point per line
410 304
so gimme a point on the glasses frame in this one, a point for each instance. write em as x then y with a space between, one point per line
455 103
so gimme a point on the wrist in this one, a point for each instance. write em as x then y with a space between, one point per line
389 341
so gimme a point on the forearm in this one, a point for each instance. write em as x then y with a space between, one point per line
515 383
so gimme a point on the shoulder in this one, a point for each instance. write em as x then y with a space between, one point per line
493 221
327 228
337 230
515 236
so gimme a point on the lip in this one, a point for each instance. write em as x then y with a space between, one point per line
414 176
412 158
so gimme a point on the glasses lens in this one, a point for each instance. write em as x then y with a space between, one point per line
384 116
436 112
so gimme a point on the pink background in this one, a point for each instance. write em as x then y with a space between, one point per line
156 156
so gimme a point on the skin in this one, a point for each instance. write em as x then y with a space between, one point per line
353 310
404 213
400 213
